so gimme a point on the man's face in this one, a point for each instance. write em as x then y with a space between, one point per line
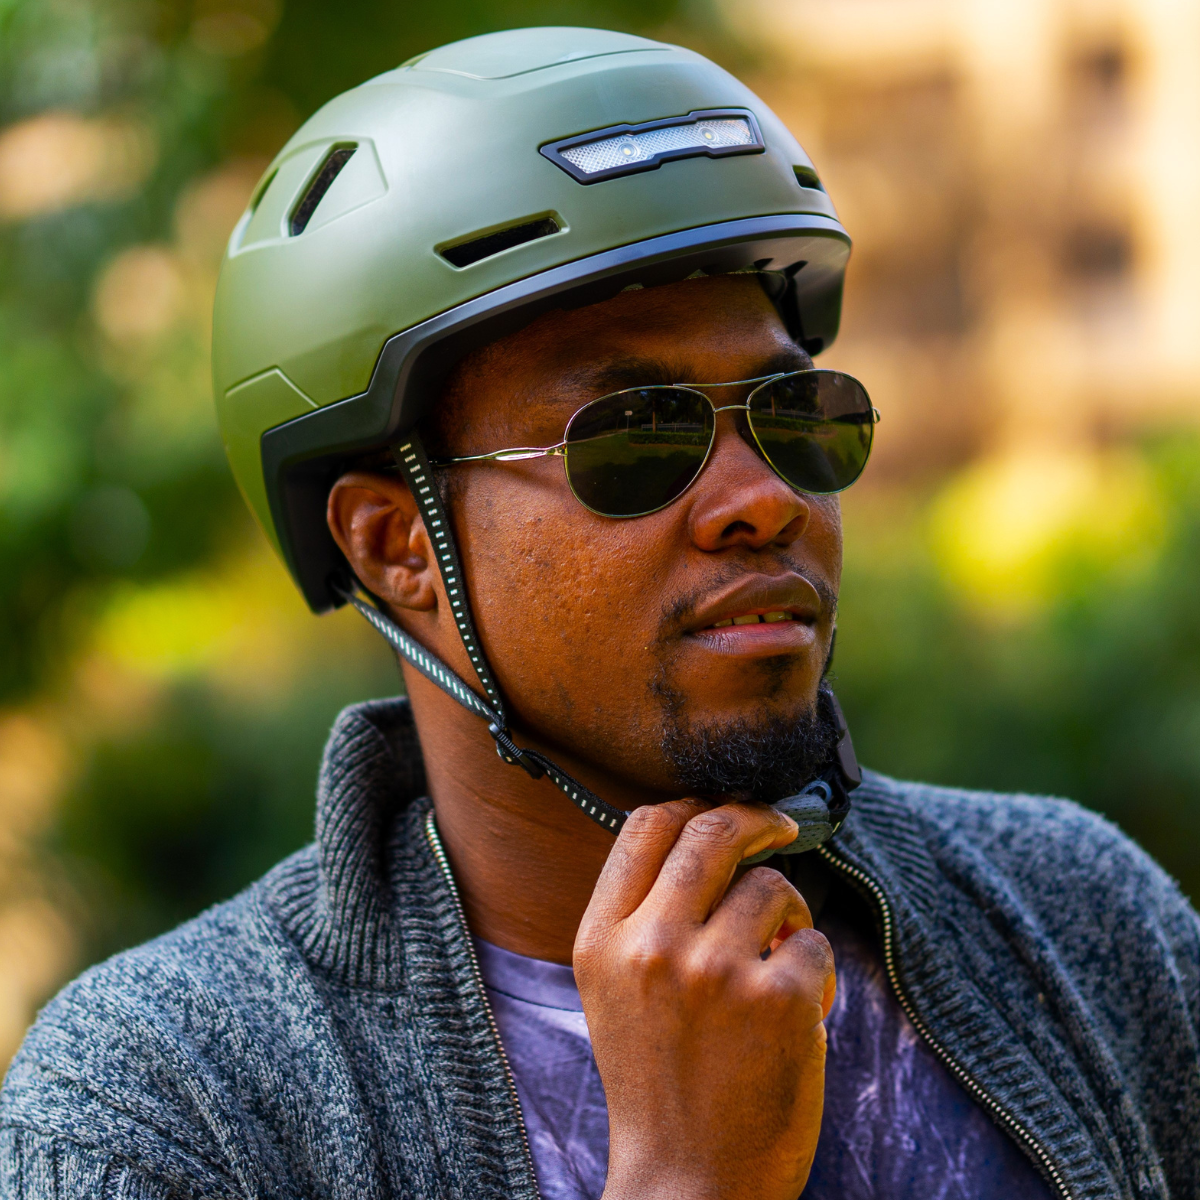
601 631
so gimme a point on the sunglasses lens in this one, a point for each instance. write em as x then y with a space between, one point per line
815 428
633 452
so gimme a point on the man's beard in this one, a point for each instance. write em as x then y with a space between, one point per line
758 760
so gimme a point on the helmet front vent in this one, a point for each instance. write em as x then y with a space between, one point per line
806 177
320 183
463 254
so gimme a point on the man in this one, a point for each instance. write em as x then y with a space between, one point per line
528 954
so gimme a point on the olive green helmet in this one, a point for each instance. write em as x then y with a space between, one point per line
446 203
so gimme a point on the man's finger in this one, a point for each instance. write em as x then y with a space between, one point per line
707 851
759 907
807 958
636 858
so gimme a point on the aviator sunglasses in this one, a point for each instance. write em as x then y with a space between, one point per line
635 451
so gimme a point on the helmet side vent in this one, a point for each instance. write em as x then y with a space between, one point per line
476 249
806 177
261 191
320 183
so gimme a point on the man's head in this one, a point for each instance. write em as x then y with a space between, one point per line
600 631
369 261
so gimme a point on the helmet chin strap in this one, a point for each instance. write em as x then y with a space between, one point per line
819 808
410 457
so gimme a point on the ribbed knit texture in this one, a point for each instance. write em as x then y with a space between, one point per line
324 1034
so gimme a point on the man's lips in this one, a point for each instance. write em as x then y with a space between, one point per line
759 617
759 605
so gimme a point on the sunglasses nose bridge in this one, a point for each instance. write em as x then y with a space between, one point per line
734 427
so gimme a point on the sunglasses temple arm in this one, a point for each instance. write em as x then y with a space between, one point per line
513 454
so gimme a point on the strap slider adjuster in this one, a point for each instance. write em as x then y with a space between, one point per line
510 752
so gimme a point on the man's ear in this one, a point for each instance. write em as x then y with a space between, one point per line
375 522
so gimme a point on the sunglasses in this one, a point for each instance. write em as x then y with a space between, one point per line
636 451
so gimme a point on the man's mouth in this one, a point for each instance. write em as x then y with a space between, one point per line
760 633
759 616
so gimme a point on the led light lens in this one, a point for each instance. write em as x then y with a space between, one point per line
593 158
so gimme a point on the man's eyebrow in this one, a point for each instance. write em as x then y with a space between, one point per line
614 375
777 364
793 359
601 379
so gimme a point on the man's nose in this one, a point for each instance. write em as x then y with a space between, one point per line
738 500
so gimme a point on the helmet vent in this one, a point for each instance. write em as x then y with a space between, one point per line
320 183
806 177
465 253
261 190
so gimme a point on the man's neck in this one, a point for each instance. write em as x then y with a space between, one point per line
525 859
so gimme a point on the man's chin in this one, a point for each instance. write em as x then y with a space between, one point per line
761 754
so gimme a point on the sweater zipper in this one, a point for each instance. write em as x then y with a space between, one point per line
1001 1114
439 853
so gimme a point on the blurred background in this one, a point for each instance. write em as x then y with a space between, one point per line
1020 607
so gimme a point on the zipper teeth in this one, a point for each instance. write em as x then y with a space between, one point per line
1010 1122
439 853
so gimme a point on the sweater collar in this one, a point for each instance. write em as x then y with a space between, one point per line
372 909
339 898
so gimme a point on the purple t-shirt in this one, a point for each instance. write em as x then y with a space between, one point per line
897 1125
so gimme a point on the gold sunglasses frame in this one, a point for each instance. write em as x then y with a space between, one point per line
559 449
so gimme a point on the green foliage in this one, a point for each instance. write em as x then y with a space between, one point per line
1097 700
61 447
111 469
62 436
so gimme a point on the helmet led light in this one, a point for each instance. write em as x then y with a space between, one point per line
626 149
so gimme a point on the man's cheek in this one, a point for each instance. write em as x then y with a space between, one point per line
606 616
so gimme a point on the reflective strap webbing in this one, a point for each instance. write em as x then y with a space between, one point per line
410 456
417 656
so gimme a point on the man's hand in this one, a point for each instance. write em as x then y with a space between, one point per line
712 1058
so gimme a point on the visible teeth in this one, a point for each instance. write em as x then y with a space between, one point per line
753 619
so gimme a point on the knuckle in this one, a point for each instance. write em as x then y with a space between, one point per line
649 822
588 948
771 884
648 952
791 995
817 951
777 989
706 971
802 971
811 958
718 827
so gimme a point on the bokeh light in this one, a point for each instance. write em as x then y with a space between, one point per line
1021 179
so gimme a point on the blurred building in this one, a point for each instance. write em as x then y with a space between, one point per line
1022 180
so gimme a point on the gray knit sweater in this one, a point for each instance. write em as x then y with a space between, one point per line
325 1033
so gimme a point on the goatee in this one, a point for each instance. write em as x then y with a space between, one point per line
752 760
